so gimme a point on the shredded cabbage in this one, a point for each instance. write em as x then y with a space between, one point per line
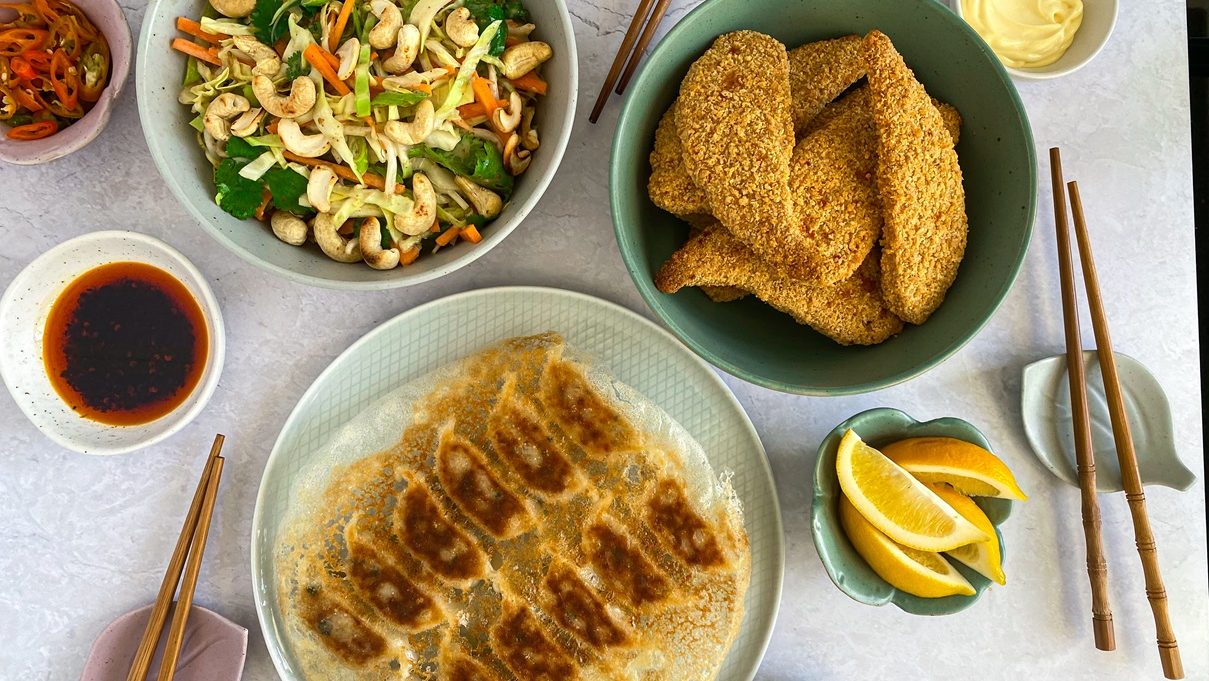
423 14
461 84
225 26
334 132
256 169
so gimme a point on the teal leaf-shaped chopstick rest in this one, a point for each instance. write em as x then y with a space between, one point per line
1045 401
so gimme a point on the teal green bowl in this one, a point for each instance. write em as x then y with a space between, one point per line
751 340
844 565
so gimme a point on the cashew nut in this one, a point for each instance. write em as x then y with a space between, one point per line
506 120
319 188
348 53
515 158
298 102
267 61
409 81
460 27
390 19
369 237
330 242
529 133
486 202
414 132
407 47
220 112
247 123
234 8
523 58
289 228
309 146
520 31
423 209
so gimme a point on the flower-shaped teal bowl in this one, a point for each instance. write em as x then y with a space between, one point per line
844 565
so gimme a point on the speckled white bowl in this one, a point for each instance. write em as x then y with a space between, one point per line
109 19
23 313
180 160
1099 20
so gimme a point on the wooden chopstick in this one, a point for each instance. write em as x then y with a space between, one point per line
1156 593
623 53
647 33
184 601
172 575
1097 569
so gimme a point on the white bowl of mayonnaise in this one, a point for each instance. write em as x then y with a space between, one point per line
1041 39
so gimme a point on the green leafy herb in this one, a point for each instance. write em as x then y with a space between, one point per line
406 98
262 21
20 119
237 147
473 158
237 195
286 185
487 11
294 67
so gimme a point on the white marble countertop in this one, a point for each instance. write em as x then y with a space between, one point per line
83 539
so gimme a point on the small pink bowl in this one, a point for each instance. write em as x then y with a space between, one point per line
110 20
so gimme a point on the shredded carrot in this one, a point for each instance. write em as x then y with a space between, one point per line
530 82
436 226
369 179
331 58
272 126
483 94
193 28
346 11
422 87
345 229
409 256
196 51
448 236
314 54
476 109
265 197
471 234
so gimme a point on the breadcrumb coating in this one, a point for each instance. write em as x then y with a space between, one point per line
670 186
850 312
819 72
919 182
736 131
834 186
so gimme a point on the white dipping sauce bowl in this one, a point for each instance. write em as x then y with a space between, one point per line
24 310
1099 20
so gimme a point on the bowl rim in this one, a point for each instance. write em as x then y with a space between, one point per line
102 110
1036 75
821 497
523 208
652 297
176 419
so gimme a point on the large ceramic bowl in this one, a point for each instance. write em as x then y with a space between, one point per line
184 167
750 339
850 573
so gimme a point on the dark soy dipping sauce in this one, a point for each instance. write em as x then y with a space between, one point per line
125 344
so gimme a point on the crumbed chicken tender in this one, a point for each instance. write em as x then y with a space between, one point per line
670 186
850 312
736 130
819 72
919 181
833 182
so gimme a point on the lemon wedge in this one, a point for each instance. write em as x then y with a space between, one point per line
920 573
983 557
966 467
896 503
